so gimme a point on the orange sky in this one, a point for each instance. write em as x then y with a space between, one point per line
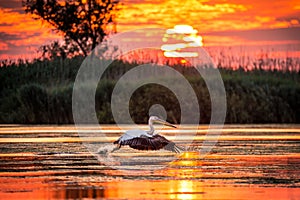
219 22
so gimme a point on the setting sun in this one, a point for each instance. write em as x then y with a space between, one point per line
181 41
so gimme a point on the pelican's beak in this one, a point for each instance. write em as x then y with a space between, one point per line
166 123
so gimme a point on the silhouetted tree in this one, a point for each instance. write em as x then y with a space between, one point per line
83 23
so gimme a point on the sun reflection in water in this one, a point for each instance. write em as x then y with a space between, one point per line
182 170
183 189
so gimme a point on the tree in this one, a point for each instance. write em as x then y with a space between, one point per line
83 23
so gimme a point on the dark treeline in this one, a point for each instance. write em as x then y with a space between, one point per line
41 92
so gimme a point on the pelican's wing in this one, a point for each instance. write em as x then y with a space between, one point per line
173 147
151 143
169 145
145 143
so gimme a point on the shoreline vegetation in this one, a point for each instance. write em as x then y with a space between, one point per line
40 92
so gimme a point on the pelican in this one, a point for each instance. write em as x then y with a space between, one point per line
148 140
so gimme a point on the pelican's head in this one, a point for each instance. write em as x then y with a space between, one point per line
155 119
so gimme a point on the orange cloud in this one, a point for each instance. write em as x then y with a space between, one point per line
172 12
210 15
21 24
3 46
21 35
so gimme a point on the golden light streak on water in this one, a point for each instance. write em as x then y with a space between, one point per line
177 138
49 162
114 129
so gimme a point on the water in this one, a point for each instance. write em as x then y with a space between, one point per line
248 162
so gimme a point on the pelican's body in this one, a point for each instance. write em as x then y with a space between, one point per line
147 140
130 134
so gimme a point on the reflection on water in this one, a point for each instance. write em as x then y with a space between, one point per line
257 162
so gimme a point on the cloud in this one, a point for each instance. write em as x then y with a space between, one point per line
20 34
10 4
171 12
272 35
292 19
14 5
3 46
209 15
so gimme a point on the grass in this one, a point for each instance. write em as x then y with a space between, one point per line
41 92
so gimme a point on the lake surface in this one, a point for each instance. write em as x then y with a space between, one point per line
247 162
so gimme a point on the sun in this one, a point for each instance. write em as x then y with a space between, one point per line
181 41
